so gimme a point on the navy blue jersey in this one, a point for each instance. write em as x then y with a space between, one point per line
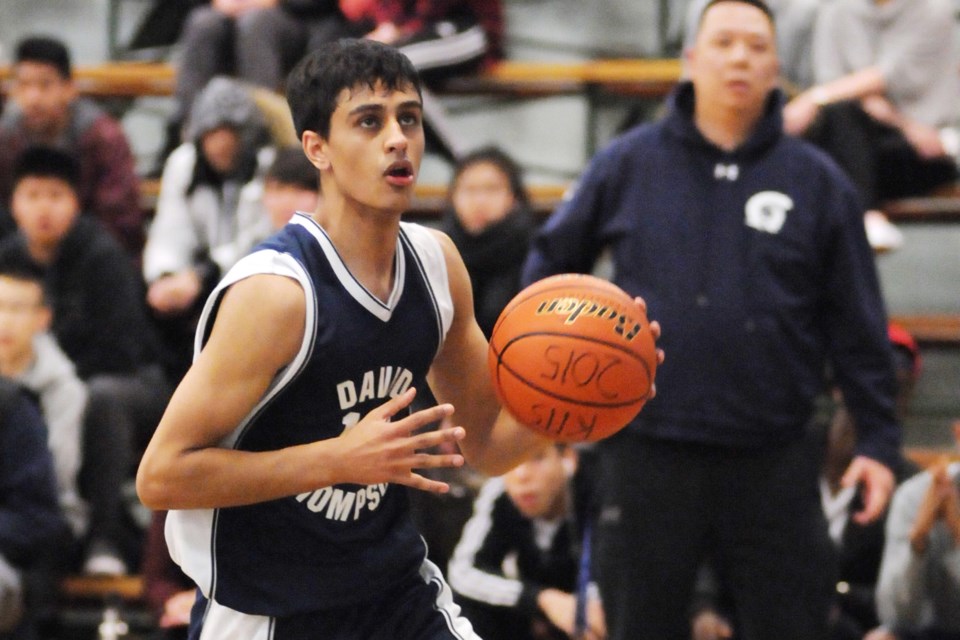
334 546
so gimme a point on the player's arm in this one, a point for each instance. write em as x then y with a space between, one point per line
258 331
495 442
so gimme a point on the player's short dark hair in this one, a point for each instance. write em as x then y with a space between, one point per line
316 82
46 50
499 158
47 162
759 4
291 166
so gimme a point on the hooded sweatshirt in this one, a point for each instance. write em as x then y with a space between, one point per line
756 263
203 219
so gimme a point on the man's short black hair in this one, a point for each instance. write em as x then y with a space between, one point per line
759 4
291 166
316 82
47 162
16 264
45 50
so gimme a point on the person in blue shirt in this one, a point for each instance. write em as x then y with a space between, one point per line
749 245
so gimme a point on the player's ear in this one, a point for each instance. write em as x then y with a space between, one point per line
315 149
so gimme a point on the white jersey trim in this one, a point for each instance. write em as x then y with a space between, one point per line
434 266
380 309
190 533
223 623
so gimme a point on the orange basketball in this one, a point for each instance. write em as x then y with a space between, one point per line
572 357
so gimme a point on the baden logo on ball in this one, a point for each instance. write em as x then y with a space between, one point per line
572 356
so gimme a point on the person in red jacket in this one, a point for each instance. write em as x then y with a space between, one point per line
442 38
44 109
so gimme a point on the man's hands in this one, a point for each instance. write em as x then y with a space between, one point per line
878 482
176 610
378 449
710 625
174 293
941 502
800 112
560 609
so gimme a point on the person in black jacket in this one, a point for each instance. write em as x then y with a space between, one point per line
97 296
489 220
30 516
516 567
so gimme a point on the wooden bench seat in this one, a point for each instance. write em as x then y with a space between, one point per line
932 328
926 456
117 79
127 588
648 77
933 208
642 77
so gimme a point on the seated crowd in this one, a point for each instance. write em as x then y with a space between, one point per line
99 302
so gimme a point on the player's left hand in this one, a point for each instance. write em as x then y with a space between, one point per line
656 331
877 481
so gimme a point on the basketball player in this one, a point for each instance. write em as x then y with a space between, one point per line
283 451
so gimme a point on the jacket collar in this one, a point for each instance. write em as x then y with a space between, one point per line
768 131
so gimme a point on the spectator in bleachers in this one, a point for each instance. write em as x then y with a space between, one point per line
748 246
30 517
210 199
442 39
290 184
918 592
884 102
515 568
99 315
859 545
488 217
89 459
45 109
257 41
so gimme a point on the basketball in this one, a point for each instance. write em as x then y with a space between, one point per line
572 357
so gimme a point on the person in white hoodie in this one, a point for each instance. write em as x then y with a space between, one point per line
210 194
89 459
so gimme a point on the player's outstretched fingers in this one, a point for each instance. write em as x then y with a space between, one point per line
395 405
417 481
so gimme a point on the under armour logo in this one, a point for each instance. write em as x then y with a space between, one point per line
767 211
726 172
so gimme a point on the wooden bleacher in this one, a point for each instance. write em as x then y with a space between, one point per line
640 77
117 79
646 78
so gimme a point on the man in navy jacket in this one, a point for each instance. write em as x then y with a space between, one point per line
749 248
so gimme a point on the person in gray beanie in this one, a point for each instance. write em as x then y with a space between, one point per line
206 184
